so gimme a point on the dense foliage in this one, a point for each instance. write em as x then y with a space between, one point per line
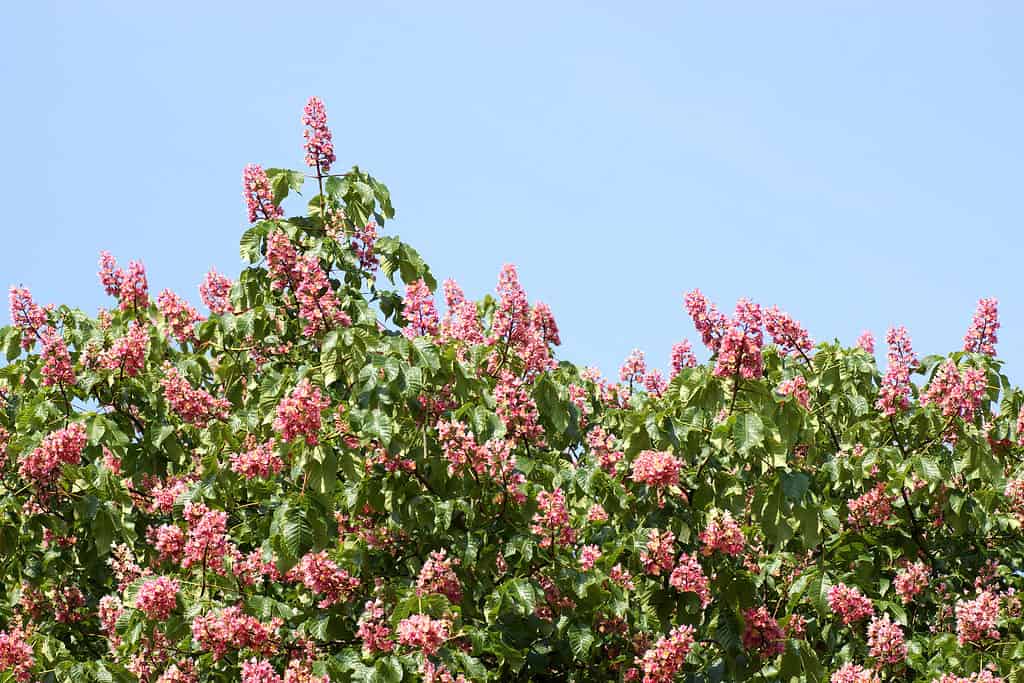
328 479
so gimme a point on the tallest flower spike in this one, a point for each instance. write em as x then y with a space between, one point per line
319 146
981 337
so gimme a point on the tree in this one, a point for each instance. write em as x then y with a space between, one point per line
328 478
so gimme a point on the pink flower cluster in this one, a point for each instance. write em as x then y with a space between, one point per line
318 303
179 315
602 446
362 243
662 661
984 676
460 322
689 577
976 619
894 395
874 508
682 357
517 410
57 367
786 333
215 291
911 581
42 465
854 673
298 414
168 540
633 368
259 671
722 534
231 629
849 603
419 311
710 323
957 393
761 633
373 628
437 575
739 353
207 544
981 335
320 574
866 342
27 316
258 460
494 459
551 521
518 330
656 469
158 597
195 406
259 200
797 388
16 654
589 554
129 287
128 353
886 641
1014 493
319 145
659 554
423 633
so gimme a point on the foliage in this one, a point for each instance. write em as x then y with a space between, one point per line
327 478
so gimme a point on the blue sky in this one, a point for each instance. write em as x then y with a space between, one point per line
857 163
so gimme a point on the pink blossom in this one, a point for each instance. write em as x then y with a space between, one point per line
179 315
633 368
16 654
976 619
373 628
984 676
849 603
622 577
419 311
886 641
460 322
786 333
854 673
42 465
981 336
661 662
111 276
722 534
655 383
438 576
207 544
739 352
761 633
911 581
27 316
282 261
589 554
231 629
158 597
543 322
597 514
319 305
894 395
602 446
362 243
259 671
688 577
551 521
682 357
874 508
320 574
128 353
184 671
319 146
423 633
298 414
259 200
517 410
195 406
957 393
258 460
57 367
710 323
215 291
135 288
168 540
797 388
656 469
866 342
658 555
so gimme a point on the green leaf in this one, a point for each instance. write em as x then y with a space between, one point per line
748 431
794 485
283 180
522 593
581 639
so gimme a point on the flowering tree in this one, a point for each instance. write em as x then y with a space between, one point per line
324 478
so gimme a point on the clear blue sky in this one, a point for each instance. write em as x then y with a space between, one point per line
857 163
